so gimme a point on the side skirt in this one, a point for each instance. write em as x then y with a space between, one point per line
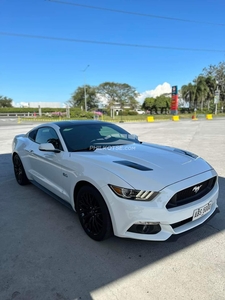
52 194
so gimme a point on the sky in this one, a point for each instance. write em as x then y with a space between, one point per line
50 48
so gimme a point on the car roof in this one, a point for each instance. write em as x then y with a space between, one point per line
63 124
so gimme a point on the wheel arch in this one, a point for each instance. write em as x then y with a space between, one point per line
79 185
14 153
19 171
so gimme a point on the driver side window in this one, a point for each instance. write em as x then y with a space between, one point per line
48 135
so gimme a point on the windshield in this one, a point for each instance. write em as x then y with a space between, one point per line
89 137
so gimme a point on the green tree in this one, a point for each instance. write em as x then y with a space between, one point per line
202 91
188 93
78 98
162 103
211 83
149 104
5 102
133 103
118 93
218 73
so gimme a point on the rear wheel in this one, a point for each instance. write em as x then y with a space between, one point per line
93 213
19 171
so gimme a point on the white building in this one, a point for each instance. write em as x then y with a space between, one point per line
39 104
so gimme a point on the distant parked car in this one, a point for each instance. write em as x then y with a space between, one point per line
140 112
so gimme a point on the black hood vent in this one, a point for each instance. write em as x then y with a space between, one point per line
133 165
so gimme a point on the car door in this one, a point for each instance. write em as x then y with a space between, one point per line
45 166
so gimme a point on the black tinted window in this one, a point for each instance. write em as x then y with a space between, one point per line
82 137
48 135
32 134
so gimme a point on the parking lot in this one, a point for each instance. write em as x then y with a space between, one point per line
45 254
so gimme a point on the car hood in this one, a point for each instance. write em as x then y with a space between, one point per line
143 164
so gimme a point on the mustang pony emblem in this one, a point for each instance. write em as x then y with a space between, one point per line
196 188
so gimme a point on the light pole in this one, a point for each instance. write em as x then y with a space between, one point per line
217 96
85 94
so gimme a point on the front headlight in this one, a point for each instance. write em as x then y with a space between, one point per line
133 194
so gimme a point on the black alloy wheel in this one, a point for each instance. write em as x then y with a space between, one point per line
19 171
93 213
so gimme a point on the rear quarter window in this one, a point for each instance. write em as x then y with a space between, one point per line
32 135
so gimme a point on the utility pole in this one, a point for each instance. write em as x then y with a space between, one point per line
216 97
85 93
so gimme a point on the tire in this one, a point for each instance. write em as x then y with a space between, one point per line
19 172
93 213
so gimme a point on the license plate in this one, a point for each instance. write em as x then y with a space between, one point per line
199 212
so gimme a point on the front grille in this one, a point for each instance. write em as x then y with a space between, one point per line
192 193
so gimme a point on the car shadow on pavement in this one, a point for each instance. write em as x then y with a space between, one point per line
6 167
45 253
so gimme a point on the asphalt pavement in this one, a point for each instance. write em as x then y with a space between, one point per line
45 254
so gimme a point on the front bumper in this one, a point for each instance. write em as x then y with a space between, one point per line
125 213
174 238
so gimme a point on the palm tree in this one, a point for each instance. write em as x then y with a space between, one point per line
211 83
188 93
202 90
199 93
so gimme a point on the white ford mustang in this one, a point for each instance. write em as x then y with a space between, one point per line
117 184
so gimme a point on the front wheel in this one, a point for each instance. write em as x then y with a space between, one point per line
19 172
93 213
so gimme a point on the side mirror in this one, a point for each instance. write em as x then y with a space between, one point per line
48 147
133 136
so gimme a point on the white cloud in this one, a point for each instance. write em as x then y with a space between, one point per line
37 104
159 90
